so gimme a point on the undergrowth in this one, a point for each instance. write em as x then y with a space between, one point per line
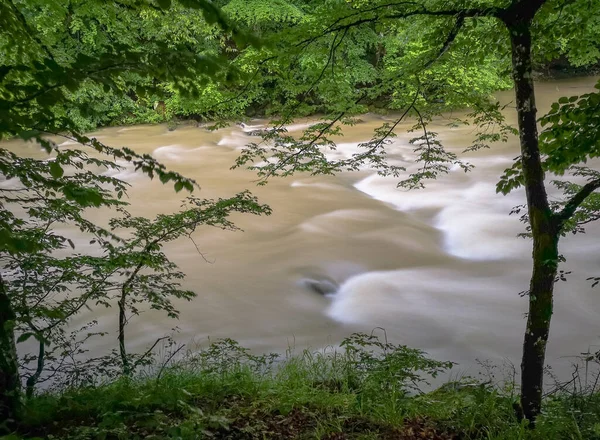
368 389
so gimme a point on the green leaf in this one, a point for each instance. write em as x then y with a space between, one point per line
56 170
189 186
24 337
53 313
15 244
164 177
178 186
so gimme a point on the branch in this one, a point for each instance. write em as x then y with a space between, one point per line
199 251
468 12
460 21
425 134
33 379
28 29
572 205
335 44
139 361
286 160
387 5
67 76
391 129
164 365
520 11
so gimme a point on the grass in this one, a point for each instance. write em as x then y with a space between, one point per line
367 391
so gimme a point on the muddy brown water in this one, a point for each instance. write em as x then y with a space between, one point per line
439 269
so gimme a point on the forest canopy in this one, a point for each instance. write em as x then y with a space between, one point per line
377 57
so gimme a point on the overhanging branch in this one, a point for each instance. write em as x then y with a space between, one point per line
460 21
567 212
338 25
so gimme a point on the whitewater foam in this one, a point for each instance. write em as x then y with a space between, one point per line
169 152
473 218
409 301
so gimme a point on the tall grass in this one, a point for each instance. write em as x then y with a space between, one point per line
367 389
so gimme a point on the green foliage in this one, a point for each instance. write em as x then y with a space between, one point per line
571 134
126 50
296 66
58 60
569 139
140 260
382 366
224 391
47 195
289 70
564 31
261 14
47 290
349 58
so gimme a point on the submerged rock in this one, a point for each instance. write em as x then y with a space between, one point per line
323 287
258 132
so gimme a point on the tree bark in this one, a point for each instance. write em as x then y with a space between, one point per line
122 324
123 308
41 360
544 226
10 390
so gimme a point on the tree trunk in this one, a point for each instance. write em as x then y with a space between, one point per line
122 324
10 392
41 360
123 309
544 226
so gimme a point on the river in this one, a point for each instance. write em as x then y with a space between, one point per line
439 269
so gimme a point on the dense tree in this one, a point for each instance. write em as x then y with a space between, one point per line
144 272
377 59
437 64
373 57
53 57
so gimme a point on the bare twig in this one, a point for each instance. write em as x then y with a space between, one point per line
140 360
199 251
164 365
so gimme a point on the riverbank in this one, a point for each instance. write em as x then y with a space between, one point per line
226 393
171 110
